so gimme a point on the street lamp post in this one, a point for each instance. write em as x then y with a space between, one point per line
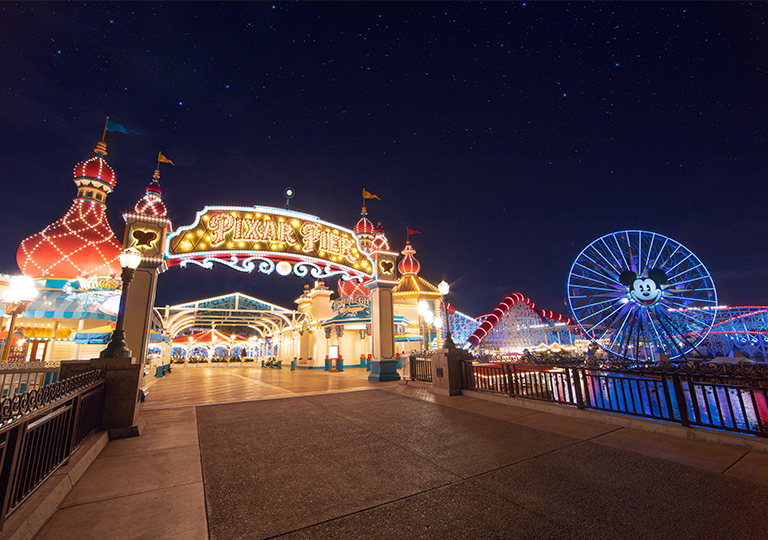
18 297
129 259
443 288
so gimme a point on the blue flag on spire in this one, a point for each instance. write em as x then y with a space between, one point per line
113 126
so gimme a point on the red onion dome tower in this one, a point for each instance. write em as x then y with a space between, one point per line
380 241
411 285
81 243
364 231
409 264
152 201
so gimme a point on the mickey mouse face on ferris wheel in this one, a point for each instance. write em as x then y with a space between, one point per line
645 291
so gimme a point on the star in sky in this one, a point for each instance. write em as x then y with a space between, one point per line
680 117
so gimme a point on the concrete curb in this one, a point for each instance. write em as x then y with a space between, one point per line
34 513
724 438
414 384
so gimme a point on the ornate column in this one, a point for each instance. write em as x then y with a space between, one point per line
120 410
147 234
383 362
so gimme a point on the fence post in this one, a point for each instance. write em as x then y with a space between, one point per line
447 368
10 460
682 407
574 377
73 424
515 381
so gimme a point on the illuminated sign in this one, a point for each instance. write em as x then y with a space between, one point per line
96 283
95 293
352 306
263 238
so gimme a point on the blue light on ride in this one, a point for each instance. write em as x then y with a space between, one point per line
635 292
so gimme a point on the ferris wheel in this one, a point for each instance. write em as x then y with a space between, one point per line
634 293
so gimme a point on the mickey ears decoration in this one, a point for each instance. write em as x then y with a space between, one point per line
144 238
628 277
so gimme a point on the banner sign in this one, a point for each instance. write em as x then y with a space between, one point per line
270 239
355 305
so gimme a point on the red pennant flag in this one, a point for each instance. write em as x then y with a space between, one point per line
411 231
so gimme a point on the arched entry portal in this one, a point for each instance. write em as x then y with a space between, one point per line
270 323
272 240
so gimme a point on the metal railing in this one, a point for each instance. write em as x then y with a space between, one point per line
39 431
20 377
731 397
420 363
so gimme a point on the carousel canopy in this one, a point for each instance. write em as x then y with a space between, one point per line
411 285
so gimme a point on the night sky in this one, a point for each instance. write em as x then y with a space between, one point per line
511 135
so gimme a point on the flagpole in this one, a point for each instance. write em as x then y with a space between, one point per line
106 123
158 161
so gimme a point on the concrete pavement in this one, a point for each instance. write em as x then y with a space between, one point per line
398 462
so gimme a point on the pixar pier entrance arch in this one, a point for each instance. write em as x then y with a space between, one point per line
271 240
268 240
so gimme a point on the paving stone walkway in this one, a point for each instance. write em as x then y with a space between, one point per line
399 462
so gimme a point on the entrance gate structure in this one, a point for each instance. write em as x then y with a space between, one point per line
271 240
267 320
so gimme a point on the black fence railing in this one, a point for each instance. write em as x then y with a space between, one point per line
20 377
39 431
420 366
729 397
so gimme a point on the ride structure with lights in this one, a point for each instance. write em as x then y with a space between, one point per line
632 292
515 325
738 327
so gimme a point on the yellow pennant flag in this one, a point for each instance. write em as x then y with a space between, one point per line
161 158
367 195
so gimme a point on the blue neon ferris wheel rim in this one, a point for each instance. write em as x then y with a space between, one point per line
607 312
